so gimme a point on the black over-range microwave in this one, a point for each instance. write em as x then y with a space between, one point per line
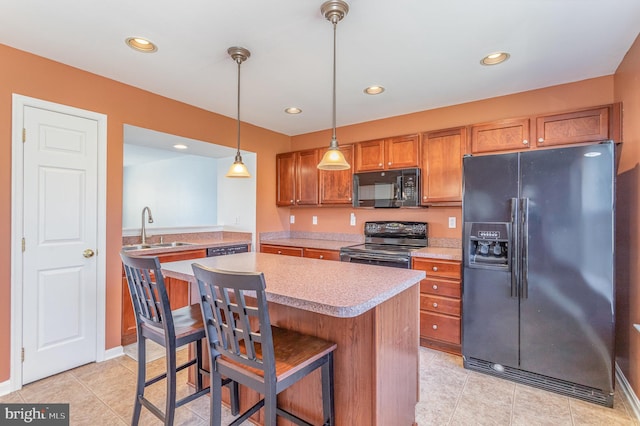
387 189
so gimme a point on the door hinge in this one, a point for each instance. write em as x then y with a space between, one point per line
22 355
24 245
24 135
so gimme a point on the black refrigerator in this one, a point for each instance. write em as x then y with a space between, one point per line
538 283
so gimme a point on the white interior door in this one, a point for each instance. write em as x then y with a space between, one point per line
60 236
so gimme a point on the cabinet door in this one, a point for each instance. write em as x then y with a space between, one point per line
307 177
575 127
402 152
285 179
442 153
369 156
336 187
503 135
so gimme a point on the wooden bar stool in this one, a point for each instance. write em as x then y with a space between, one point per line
172 329
246 348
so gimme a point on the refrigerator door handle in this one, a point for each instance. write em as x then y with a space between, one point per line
515 235
525 248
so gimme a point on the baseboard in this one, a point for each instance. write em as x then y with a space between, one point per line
5 388
633 400
113 353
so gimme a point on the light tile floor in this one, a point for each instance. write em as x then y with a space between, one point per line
102 394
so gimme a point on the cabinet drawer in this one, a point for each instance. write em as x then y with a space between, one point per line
443 305
440 327
182 255
288 251
322 254
440 287
438 268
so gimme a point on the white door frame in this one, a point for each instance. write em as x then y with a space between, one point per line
19 103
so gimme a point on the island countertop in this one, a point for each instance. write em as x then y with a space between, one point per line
338 289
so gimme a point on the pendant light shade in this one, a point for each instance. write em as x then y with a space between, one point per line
238 169
333 159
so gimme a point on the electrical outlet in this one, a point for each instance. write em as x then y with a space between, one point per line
314 220
292 219
452 222
352 220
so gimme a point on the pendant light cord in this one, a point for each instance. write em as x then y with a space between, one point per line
239 61
335 26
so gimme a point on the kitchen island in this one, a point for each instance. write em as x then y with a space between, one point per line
371 312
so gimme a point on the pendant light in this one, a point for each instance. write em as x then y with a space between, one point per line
238 169
333 159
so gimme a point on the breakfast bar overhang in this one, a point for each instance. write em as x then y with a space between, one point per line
370 312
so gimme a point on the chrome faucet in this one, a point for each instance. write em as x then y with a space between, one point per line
143 234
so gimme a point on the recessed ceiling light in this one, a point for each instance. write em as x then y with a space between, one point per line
292 110
495 58
180 146
374 90
141 44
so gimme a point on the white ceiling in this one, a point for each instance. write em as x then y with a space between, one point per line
425 52
145 145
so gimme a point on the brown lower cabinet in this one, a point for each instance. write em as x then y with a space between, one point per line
440 304
177 290
301 252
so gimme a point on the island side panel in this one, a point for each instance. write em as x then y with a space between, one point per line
397 370
354 366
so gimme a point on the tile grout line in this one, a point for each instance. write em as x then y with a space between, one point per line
455 407
97 397
513 404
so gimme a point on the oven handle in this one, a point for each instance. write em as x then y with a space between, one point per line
365 256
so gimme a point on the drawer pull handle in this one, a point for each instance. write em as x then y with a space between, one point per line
279 251
434 326
435 305
321 257
435 287
435 269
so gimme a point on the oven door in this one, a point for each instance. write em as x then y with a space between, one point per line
395 261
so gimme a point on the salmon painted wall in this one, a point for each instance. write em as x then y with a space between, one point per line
583 94
627 91
33 76
29 75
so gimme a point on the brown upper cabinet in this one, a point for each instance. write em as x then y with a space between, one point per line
590 125
398 152
441 165
297 178
502 135
572 127
336 186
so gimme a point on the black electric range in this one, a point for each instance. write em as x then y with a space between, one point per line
388 243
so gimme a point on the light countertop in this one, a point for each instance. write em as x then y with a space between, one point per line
337 289
445 253
194 244
310 243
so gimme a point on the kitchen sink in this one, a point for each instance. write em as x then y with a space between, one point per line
173 244
136 247
154 246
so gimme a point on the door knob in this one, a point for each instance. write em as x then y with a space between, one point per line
88 253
